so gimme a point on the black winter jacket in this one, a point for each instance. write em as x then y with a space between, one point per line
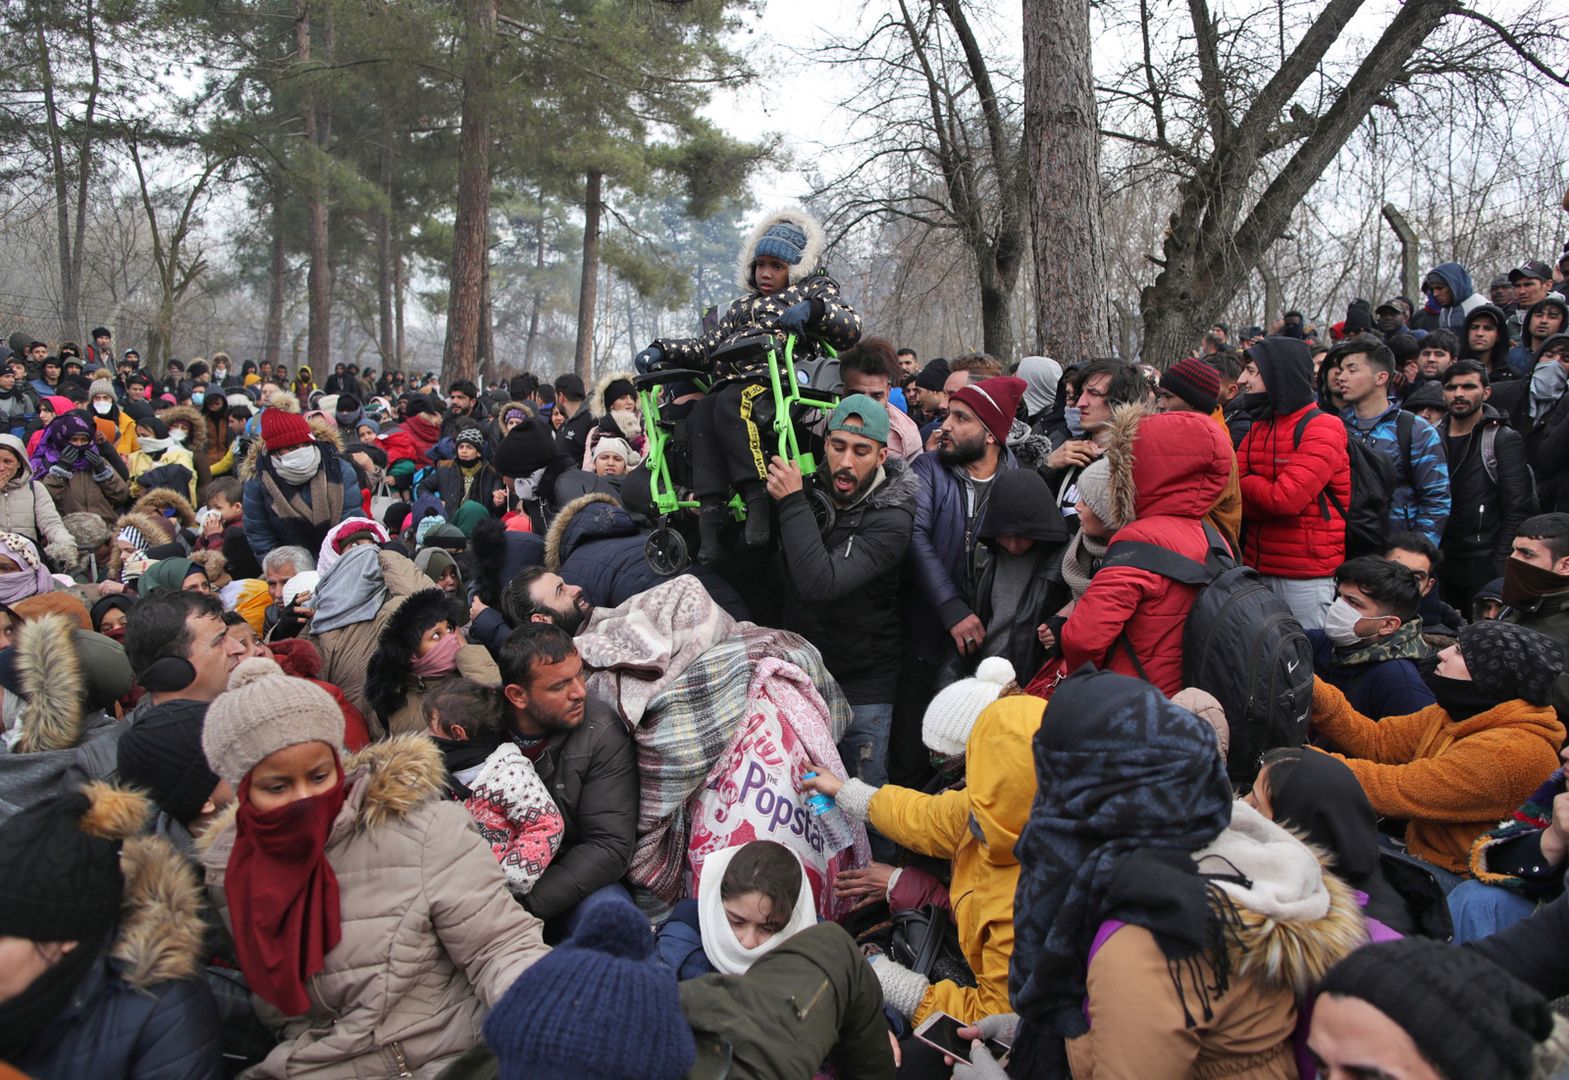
843 590
142 1011
1485 514
592 775
446 482
593 543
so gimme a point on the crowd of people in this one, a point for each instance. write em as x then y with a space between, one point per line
1200 717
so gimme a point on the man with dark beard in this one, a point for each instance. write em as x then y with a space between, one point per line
842 588
537 595
583 753
947 558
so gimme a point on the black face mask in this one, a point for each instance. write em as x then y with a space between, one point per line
1460 698
1258 405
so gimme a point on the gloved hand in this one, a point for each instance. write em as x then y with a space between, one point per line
982 1065
645 360
797 316
69 455
94 458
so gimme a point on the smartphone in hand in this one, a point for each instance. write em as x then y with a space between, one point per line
941 1032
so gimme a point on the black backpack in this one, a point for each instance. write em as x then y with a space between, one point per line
1240 643
1373 483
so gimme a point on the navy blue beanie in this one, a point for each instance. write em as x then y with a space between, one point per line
598 1007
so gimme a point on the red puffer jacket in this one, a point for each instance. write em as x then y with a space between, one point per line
1289 529
1167 471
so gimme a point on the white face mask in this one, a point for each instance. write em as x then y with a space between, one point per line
1070 416
1340 624
179 435
299 460
102 408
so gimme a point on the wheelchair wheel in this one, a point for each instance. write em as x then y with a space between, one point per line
822 509
666 551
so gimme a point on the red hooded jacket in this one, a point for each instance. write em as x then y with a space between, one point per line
1167 471
1290 529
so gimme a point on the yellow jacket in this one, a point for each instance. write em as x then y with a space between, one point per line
138 462
1000 786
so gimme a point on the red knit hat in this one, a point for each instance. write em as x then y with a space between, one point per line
994 402
284 430
1194 381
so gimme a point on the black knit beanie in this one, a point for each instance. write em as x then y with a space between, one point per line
162 754
60 876
1469 1017
529 446
1508 661
618 388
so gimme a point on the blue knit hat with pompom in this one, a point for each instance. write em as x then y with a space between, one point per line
598 1007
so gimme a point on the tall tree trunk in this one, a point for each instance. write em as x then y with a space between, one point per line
62 206
384 330
588 291
539 289
84 162
488 364
318 279
277 270
396 363
469 231
1062 139
997 320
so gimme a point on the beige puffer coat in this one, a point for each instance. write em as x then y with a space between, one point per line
27 509
431 937
346 651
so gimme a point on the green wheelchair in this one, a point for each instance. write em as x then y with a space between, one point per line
803 389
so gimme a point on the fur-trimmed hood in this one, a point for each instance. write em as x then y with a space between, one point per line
495 556
1181 473
556 534
812 254
161 926
388 675
198 424
596 398
1291 954
323 431
159 500
390 778
156 528
161 930
53 683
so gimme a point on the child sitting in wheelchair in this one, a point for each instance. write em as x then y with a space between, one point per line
786 292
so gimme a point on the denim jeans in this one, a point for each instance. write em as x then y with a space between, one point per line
1480 910
1308 598
864 745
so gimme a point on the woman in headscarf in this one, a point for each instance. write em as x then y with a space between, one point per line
1162 931
75 472
22 572
26 507
1316 795
369 917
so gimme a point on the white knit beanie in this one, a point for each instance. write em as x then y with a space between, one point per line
946 726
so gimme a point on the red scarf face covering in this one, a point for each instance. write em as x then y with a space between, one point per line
283 894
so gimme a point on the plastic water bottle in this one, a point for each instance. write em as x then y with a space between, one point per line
835 825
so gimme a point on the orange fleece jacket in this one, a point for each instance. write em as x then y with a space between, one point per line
1451 781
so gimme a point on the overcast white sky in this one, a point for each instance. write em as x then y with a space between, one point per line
795 97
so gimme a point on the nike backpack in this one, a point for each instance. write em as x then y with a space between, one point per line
1240 643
